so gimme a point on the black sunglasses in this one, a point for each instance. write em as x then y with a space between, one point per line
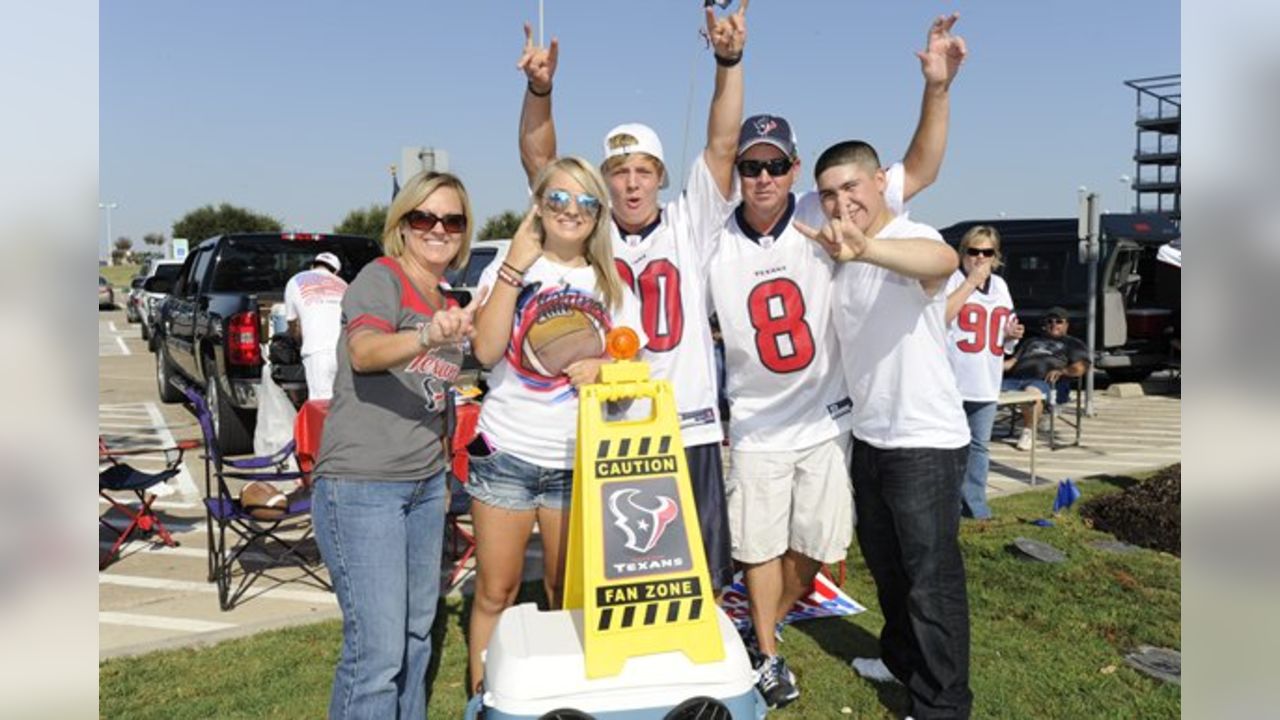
1054 321
984 252
425 221
753 168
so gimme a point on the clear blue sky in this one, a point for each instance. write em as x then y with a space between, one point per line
297 108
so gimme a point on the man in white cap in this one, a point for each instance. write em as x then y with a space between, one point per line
313 307
660 251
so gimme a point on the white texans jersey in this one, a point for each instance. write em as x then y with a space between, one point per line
664 266
976 338
772 294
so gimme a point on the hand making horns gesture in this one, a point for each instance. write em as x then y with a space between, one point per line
456 324
728 35
538 63
944 53
843 240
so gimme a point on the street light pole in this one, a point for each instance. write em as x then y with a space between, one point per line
108 207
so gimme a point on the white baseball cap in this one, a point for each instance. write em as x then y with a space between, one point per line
329 259
631 138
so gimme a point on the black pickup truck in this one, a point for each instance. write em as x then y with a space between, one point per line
211 329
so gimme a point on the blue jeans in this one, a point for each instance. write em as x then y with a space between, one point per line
503 480
1062 387
908 530
973 493
382 542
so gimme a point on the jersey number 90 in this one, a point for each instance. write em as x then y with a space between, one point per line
985 330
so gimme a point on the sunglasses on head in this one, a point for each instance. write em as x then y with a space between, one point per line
984 252
425 221
753 168
558 201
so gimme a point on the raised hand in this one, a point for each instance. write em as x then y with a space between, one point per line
944 53
538 63
728 35
526 245
841 237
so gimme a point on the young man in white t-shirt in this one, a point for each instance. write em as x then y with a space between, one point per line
910 436
313 308
660 251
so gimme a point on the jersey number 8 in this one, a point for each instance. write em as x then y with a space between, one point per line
784 341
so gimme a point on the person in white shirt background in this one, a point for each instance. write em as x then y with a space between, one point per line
983 330
313 308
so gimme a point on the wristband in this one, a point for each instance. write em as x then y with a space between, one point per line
423 332
513 269
728 62
509 279
535 93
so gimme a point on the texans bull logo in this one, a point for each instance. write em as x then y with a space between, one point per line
643 526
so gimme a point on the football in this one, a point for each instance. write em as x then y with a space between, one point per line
264 501
557 340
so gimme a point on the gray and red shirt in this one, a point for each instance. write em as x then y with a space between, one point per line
387 425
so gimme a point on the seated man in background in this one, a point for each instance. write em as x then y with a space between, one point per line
1047 362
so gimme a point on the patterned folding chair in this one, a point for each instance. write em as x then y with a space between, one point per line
122 477
225 513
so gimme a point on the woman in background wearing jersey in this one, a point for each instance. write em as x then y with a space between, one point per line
554 295
379 498
982 328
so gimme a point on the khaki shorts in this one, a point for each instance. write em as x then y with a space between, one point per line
801 500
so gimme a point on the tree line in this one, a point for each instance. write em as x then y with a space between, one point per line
210 220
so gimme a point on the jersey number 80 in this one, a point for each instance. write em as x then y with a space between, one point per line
661 309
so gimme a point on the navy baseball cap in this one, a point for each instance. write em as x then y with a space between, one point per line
770 129
1056 311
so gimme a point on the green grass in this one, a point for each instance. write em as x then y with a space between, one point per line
1048 641
119 275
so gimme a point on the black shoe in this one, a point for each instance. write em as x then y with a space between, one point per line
776 682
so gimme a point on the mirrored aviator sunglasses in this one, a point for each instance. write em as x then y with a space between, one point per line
558 201
425 221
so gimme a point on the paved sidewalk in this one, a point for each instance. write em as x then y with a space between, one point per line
1126 435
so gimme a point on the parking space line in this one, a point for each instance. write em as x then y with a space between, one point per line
314 597
160 622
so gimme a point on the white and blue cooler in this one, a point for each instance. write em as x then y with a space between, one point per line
535 665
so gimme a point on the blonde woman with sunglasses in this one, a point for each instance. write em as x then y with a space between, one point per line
553 296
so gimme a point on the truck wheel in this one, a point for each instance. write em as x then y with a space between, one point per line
234 435
146 333
169 393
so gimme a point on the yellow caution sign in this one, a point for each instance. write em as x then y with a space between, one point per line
636 566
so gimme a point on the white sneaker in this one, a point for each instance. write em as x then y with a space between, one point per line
874 669
1025 440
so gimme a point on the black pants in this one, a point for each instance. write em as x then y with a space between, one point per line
907 529
706 474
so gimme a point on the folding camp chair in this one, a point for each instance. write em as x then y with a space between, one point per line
122 477
460 428
225 512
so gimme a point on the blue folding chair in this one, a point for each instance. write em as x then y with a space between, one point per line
225 513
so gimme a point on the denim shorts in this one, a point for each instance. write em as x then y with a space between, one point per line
505 481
